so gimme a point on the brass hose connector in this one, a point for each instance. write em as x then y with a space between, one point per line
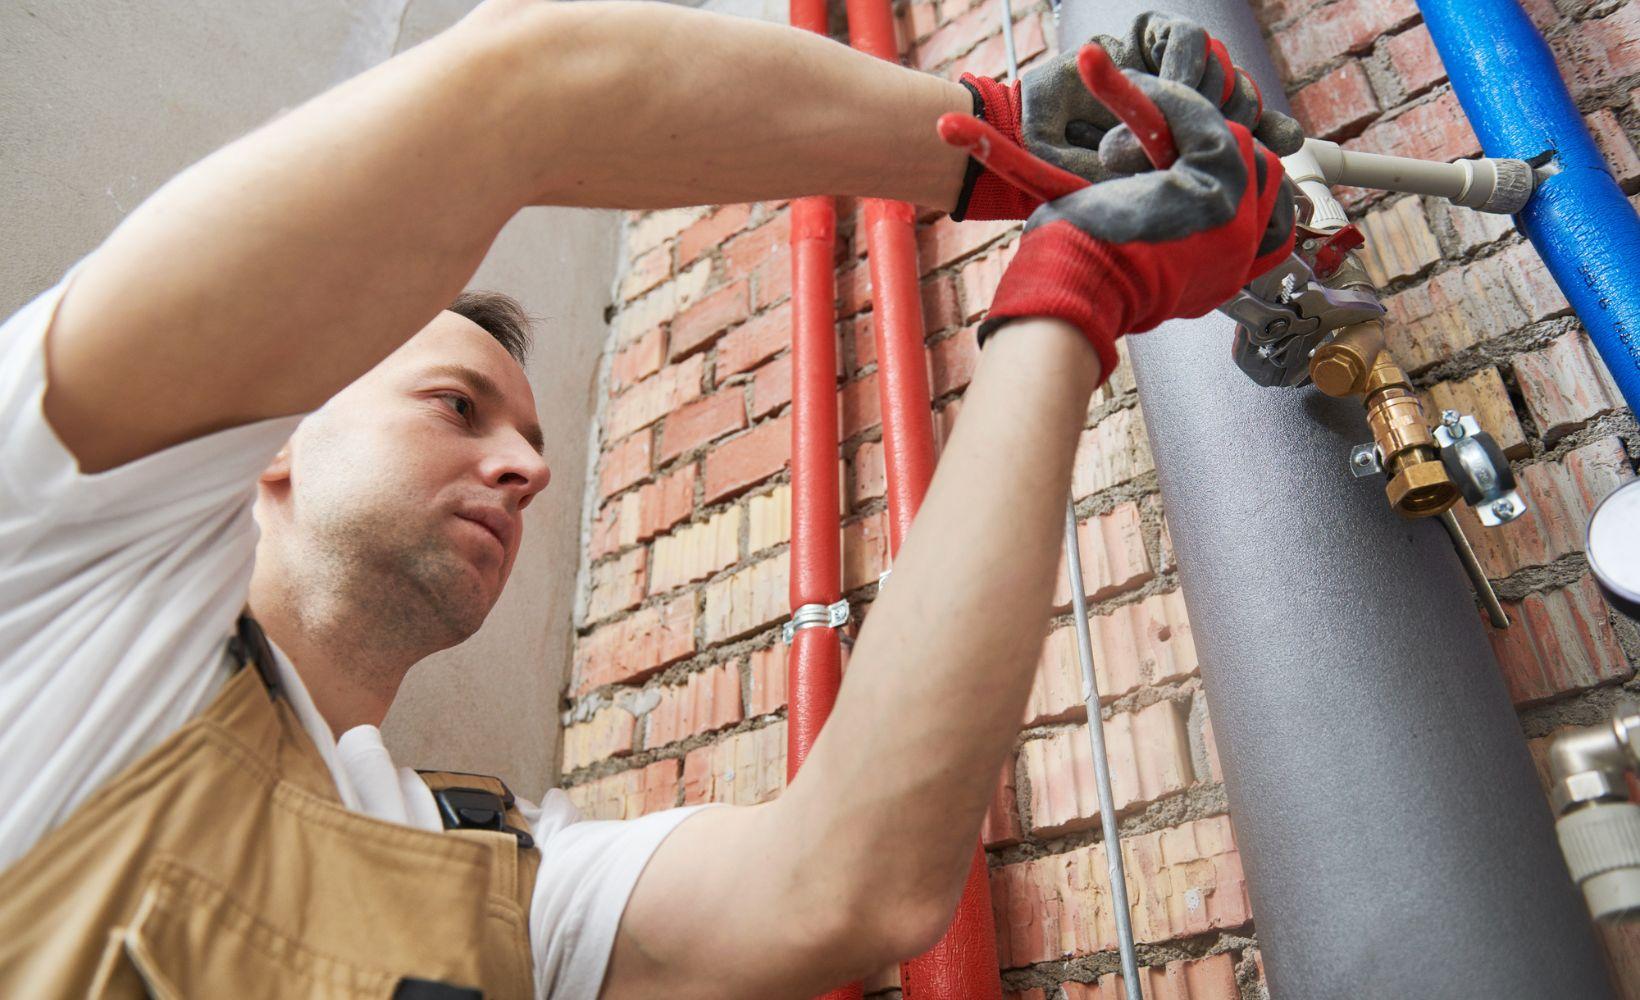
1418 482
1355 363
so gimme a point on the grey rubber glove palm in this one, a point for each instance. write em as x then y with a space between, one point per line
1063 124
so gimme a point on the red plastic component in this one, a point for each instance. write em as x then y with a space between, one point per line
964 962
1331 256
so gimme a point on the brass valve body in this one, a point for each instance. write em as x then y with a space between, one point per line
1340 366
1418 482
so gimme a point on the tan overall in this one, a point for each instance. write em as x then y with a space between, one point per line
223 864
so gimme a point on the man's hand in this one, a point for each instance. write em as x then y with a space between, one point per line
1126 254
1052 115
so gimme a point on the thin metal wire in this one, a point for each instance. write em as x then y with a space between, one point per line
1101 763
1008 39
1090 686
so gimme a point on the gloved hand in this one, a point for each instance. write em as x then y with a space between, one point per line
1052 115
1126 254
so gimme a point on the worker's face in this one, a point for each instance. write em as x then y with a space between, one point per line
407 488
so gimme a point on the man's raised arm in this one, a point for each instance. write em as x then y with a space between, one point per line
271 274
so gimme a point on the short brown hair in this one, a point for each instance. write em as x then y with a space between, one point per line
500 316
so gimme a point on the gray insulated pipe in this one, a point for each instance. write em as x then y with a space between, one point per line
1395 839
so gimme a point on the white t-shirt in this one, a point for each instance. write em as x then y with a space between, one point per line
118 592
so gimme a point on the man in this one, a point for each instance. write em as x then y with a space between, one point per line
179 825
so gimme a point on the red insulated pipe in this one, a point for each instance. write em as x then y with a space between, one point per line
814 669
815 661
964 962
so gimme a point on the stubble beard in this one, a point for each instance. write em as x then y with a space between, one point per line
399 583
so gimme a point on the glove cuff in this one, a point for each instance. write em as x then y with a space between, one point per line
1063 273
984 194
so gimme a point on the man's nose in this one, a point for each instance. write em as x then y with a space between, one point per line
519 470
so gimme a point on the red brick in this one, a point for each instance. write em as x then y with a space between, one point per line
1112 452
769 242
754 341
700 324
703 420
709 700
853 288
1414 62
772 386
743 769
629 794
952 361
1148 642
939 304
746 600
945 242
1566 385
653 398
1559 497
1114 558
870 479
665 502
1149 760
772 278
1561 641
1336 104
1454 309
747 460
978 278
636 647
957 36
767 680
916 20
695 552
711 231
1182 881
616 585
1335 30
605 537
625 463
1210 746
607 734
640 359
859 408
646 230
647 270
989 58
1001 827
1399 243
1599 52
865 551
1434 130
1211 978
862 338
1615 147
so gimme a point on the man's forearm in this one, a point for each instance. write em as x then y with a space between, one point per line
277 270
951 643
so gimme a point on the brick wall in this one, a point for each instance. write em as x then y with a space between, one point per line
678 688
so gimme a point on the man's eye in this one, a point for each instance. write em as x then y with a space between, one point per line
459 403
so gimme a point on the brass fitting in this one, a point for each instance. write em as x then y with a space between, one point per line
1418 482
1340 366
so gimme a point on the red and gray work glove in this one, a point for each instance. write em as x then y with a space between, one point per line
1126 254
1052 116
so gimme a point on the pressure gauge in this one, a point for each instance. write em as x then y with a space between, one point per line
1614 548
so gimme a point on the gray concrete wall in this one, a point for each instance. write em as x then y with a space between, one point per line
101 101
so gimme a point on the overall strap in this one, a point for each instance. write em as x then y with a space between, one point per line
249 647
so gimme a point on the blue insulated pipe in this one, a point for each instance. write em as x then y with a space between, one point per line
1581 224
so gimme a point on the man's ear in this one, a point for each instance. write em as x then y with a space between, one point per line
278 470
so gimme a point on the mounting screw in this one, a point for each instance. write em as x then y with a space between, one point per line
1363 458
1503 507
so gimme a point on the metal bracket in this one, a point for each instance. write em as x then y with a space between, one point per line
1478 466
1364 460
815 616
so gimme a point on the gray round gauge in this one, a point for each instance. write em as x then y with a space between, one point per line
1614 547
